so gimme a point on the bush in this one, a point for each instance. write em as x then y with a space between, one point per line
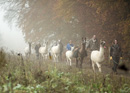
2 59
56 78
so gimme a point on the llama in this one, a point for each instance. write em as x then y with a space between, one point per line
98 56
27 50
55 51
43 50
80 53
69 55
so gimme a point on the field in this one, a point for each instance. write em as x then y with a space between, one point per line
29 75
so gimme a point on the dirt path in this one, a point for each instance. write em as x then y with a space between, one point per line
106 68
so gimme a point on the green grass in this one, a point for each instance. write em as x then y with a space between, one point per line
49 77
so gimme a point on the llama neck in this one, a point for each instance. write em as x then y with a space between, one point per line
46 47
30 48
83 47
101 51
72 50
58 45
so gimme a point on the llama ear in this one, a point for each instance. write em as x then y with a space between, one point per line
82 39
85 39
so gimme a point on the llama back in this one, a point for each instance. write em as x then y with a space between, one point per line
26 50
42 50
96 57
69 54
55 49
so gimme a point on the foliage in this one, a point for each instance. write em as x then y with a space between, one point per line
58 82
2 59
48 77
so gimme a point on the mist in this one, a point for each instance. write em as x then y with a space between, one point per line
11 38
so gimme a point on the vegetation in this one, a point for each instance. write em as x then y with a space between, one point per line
64 19
2 58
34 76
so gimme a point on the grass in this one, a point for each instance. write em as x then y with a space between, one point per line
33 76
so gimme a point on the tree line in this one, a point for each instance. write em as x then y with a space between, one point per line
71 19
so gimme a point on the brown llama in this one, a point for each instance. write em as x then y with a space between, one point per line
80 53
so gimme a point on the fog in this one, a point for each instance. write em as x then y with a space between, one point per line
11 38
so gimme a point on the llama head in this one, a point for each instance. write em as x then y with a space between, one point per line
83 41
29 43
46 42
102 43
72 48
59 40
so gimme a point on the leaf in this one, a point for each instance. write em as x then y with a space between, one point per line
54 85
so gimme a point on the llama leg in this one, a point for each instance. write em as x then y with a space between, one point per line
39 56
99 67
54 57
76 62
90 62
70 61
81 61
58 57
67 61
42 56
46 56
93 66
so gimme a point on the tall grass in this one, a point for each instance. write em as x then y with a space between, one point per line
36 76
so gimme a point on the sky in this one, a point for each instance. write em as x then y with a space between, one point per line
11 38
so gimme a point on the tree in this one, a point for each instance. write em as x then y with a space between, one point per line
67 19
0 39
